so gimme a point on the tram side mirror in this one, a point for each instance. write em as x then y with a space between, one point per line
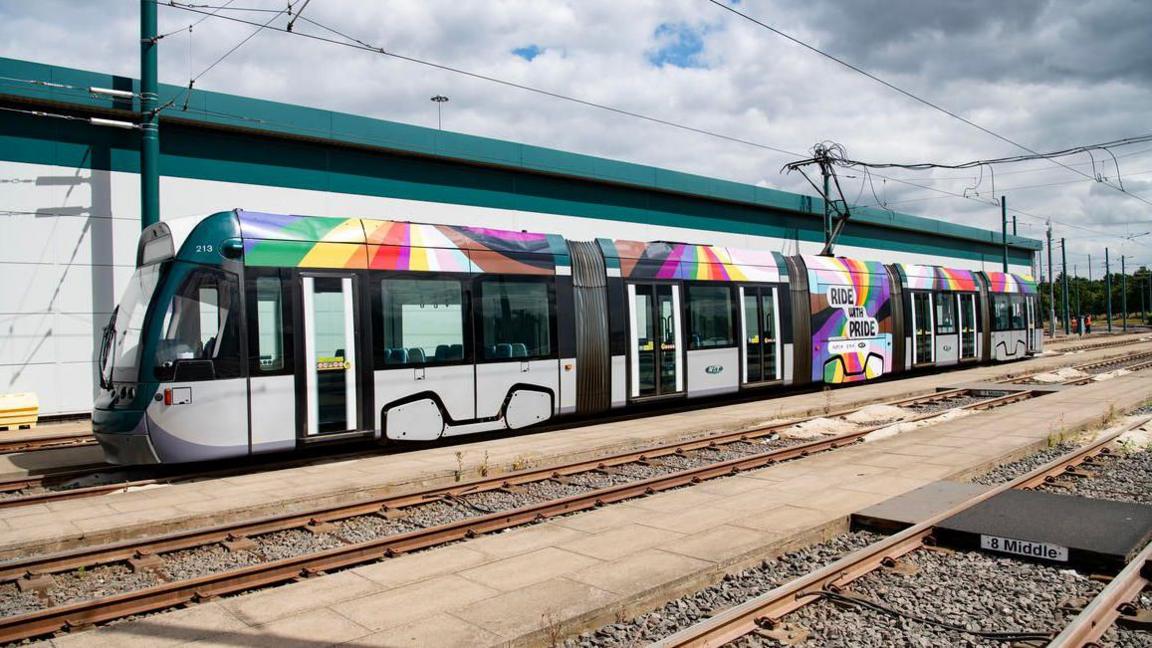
188 370
232 249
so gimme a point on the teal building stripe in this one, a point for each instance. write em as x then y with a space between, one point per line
237 139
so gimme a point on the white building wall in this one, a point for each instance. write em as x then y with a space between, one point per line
68 245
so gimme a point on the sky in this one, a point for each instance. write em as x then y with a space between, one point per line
1049 74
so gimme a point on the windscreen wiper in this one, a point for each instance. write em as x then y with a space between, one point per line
106 349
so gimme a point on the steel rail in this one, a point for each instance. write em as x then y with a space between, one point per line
74 440
771 606
54 442
1134 367
166 595
1110 604
129 549
1085 366
103 489
1097 345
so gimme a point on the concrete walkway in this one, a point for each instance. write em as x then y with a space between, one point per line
533 584
61 525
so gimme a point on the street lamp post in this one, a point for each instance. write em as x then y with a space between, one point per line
440 101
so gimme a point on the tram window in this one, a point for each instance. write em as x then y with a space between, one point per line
945 313
269 323
710 316
1000 317
515 319
423 321
201 330
1017 313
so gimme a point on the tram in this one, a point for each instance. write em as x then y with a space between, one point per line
245 332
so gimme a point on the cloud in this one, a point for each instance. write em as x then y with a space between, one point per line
1047 73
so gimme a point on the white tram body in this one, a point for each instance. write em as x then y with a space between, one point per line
245 332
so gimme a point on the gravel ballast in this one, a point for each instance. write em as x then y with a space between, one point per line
975 591
1121 476
1009 471
13 601
202 561
97 582
939 406
732 590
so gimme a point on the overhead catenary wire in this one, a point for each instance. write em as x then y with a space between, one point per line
1005 189
935 178
190 26
355 43
910 95
359 44
192 81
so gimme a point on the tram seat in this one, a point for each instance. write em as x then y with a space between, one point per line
503 350
416 354
519 350
695 341
457 351
397 356
443 353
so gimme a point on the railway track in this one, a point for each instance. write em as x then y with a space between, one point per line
1135 362
1114 603
762 615
58 485
401 524
1091 346
73 440
54 442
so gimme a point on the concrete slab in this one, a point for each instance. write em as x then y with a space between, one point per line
22 464
522 570
639 572
414 601
1095 533
916 505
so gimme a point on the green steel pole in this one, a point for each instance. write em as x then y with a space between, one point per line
1004 229
149 118
1079 305
1123 295
827 207
1144 307
1051 288
1108 286
1064 271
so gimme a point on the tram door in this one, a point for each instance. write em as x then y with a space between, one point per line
922 342
1030 323
967 326
331 364
760 326
655 340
